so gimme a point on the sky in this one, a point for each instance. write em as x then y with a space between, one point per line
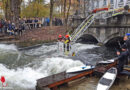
47 1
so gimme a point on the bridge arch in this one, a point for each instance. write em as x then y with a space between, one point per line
112 36
88 38
114 42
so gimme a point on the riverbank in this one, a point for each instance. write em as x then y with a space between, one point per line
35 36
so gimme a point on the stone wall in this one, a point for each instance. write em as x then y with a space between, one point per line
105 30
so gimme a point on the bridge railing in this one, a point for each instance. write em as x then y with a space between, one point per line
90 19
84 26
80 26
110 13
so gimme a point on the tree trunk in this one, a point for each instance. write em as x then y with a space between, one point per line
64 11
6 9
68 12
15 11
51 11
84 8
62 6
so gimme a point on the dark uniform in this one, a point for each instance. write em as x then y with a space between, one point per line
126 46
121 61
68 44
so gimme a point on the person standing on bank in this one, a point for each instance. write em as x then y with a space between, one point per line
121 60
126 45
124 49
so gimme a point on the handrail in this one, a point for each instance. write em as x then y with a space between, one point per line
89 20
81 28
81 25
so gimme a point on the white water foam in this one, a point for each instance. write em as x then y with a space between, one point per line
41 50
78 46
44 49
56 65
8 47
26 77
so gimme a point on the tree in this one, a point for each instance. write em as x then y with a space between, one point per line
15 8
35 9
51 11
12 9
64 11
39 1
84 8
5 6
68 11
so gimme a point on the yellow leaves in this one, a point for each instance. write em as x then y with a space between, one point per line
0 4
4 3
59 7
35 9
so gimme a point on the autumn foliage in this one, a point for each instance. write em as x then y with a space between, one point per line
35 9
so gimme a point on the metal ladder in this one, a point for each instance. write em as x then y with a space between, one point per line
82 27
89 20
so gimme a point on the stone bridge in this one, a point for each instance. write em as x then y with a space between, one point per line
109 30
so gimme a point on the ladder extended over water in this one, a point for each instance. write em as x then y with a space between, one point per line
90 19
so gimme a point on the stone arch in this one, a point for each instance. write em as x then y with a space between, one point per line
117 34
88 38
115 42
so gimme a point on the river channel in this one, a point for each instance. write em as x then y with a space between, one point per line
21 68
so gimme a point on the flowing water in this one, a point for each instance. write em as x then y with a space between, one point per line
21 69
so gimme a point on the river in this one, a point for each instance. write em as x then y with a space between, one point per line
21 69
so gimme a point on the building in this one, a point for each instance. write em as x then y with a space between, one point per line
91 5
110 4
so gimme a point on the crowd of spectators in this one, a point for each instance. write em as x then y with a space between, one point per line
9 28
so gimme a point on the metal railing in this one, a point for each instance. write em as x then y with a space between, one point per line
79 31
80 26
90 19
